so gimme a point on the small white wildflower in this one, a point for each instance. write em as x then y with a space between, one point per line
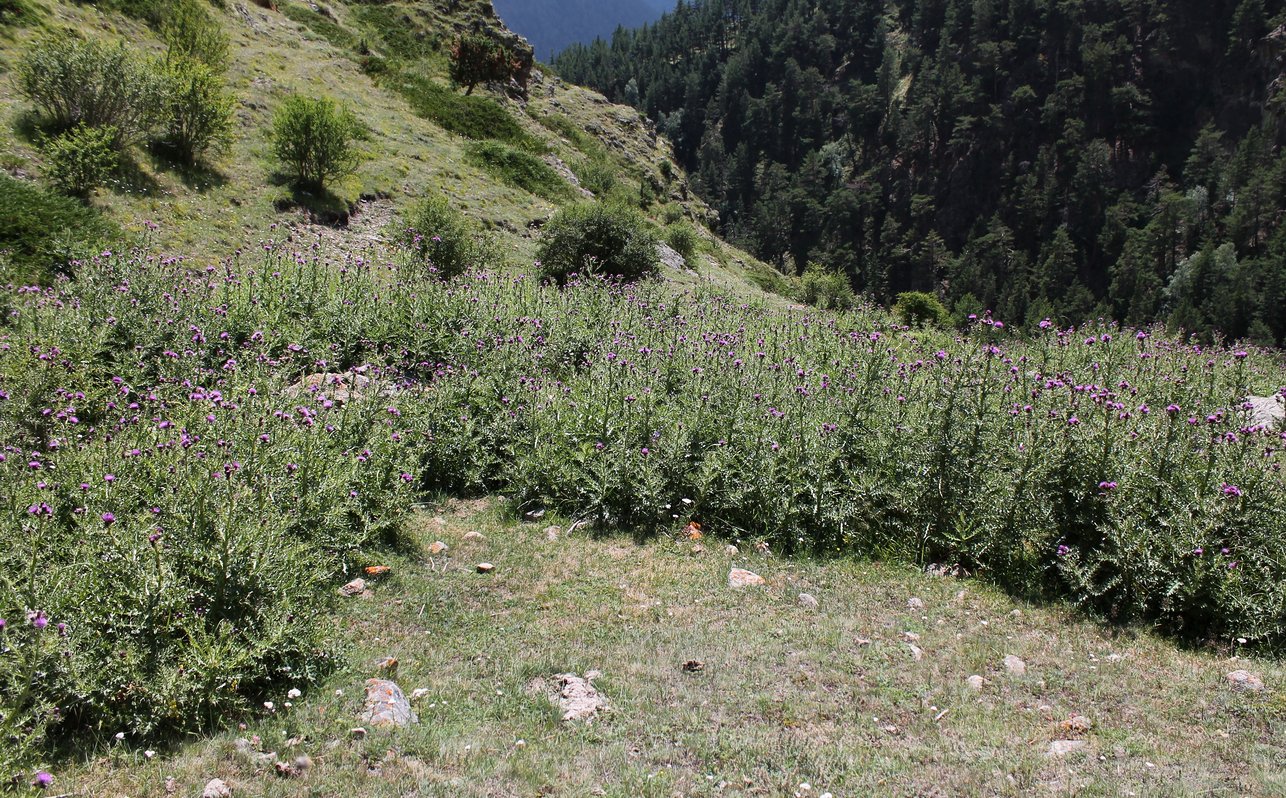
268 705
294 693
149 753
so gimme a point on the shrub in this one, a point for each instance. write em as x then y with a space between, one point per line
477 58
314 139
593 238
445 240
826 289
41 230
89 83
519 169
199 110
595 175
191 32
80 160
917 308
682 239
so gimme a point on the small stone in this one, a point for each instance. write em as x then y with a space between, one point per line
1077 723
437 547
216 788
247 752
353 588
552 533
1065 747
1015 665
474 535
1245 682
698 549
911 637
693 666
914 603
808 601
386 704
863 642
418 693
917 653
485 567
740 577
976 683
388 665
357 732
731 550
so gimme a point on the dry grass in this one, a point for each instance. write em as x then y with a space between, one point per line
788 695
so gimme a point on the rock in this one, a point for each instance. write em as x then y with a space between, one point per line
357 732
808 601
418 693
295 768
353 588
731 550
386 705
693 666
914 603
474 535
1268 411
740 577
917 653
1077 723
216 788
247 752
911 637
697 548
976 683
1015 665
862 642
1065 747
485 567
437 547
669 258
1244 682
577 697
388 665
552 533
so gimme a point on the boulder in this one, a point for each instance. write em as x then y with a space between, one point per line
386 705
740 577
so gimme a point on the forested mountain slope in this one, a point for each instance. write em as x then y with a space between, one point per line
1060 158
551 25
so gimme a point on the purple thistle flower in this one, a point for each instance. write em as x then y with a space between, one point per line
1063 550
1231 490
42 780
108 519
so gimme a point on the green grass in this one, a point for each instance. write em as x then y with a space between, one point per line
519 169
40 229
321 25
788 695
472 116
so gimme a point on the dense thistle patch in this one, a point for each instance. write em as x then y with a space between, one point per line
186 514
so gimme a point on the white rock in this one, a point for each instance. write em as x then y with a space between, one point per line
731 550
1245 682
740 577
976 683
914 603
1065 747
474 535
808 601
216 788
916 652
353 588
1015 665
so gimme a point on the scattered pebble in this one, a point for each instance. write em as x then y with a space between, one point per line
474 535
976 683
552 533
911 637
437 547
808 601
353 588
693 666
862 642
1015 665
740 577
485 567
914 603
1077 723
731 550
916 652
698 549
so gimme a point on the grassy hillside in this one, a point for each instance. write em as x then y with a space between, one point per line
387 62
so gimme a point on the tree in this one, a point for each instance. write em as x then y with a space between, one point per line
198 109
593 238
314 138
477 58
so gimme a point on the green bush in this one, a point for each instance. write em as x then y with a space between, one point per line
478 58
917 308
682 239
445 240
519 169
593 238
826 289
81 159
190 31
41 231
73 82
315 140
199 110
